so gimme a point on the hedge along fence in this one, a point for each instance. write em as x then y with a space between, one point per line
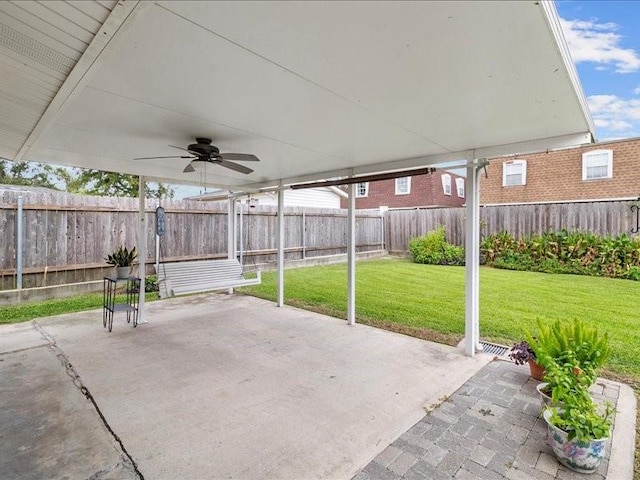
66 236
565 252
602 218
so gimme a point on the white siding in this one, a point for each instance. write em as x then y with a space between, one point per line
312 197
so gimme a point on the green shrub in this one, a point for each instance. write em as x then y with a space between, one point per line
433 249
565 252
151 283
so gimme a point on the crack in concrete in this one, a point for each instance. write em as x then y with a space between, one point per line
77 381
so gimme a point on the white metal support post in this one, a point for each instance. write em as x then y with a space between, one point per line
280 247
19 241
351 256
231 231
472 261
142 248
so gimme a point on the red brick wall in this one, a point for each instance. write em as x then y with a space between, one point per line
426 190
557 176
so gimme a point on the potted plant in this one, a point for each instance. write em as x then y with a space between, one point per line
569 339
122 259
522 353
578 430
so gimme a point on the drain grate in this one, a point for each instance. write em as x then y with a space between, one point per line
494 349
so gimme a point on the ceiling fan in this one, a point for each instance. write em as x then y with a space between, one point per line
203 151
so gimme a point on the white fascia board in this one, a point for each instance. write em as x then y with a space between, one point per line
464 157
533 146
551 202
88 64
553 22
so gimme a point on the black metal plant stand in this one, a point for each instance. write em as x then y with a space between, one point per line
130 305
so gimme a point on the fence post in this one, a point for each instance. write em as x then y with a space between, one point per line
304 235
383 210
19 235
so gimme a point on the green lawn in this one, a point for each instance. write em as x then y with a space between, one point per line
28 311
428 301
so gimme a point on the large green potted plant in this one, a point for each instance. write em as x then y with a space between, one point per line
578 429
569 339
122 259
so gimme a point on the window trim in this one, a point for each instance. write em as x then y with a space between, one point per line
366 190
523 173
460 186
590 153
408 192
446 182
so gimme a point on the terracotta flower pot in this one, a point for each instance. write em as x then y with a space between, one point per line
537 372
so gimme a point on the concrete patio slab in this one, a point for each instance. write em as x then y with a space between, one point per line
219 386
48 428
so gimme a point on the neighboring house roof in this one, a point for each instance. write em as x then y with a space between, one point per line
600 171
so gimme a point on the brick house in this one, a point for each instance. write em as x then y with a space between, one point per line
601 171
438 189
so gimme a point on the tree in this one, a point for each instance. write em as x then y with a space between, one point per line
96 182
28 174
78 180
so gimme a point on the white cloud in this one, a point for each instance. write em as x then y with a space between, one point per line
637 90
615 116
599 43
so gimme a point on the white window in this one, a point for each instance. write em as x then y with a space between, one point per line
514 173
460 187
403 186
597 164
362 189
446 184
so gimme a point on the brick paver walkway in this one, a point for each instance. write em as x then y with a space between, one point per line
490 429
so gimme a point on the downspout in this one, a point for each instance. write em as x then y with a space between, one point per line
472 260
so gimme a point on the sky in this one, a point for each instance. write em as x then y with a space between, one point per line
604 41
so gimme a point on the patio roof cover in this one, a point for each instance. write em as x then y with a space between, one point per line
314 89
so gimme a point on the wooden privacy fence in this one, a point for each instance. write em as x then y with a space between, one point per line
66 236
603 218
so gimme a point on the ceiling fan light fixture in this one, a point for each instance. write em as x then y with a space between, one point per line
198 165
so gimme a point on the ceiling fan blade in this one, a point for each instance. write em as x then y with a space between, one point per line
232 166
242 157
153 158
